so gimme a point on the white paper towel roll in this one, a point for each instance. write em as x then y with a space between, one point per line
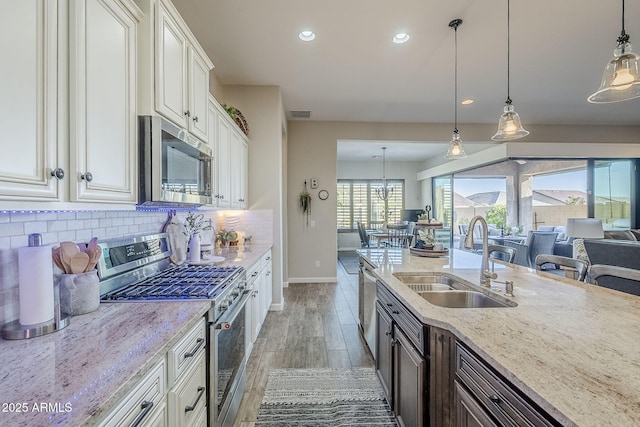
36 284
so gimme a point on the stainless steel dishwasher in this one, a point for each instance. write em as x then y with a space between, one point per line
367 303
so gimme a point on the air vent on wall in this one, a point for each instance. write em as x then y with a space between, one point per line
300 114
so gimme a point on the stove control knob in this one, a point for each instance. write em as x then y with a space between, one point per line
235 292
224 305
242 285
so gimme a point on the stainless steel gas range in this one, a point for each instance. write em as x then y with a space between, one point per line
138 269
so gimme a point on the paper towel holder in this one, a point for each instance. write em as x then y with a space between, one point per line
16 331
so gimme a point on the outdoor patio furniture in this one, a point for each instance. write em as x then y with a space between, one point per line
503 253
619 278
537 243
578 265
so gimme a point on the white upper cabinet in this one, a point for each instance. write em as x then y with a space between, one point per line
102 100
239 166
231 150
181 73
223 161
28 111
68 118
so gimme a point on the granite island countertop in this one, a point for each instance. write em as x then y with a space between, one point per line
572 347
82 371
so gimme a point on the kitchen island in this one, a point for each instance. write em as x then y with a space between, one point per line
77 375
572 348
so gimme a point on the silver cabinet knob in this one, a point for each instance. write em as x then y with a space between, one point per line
57 173
87 176
195 119
187 113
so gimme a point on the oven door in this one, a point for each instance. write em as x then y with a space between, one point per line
229 358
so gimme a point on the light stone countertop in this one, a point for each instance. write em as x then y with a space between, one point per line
95 360
572 347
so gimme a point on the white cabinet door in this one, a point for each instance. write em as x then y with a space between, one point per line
103 125
198 95
171 69
239 162
213 143
223 162
28 111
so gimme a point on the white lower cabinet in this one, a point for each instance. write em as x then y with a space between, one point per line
258 305
188 399
173 393
144 404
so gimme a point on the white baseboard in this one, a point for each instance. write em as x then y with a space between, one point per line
313 280
276 307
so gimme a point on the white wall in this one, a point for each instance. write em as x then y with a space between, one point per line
312 152
262 108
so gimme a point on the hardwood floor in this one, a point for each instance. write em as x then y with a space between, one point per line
318 328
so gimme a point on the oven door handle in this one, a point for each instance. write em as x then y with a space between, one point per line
231 317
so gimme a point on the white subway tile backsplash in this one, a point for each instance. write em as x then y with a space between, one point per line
22 216
46 216
81 226
35 227
11 229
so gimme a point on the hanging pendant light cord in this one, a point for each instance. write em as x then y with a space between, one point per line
508 102
455 74
624 37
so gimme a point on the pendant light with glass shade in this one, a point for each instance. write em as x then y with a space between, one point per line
456 149
385 191
621 77
509 126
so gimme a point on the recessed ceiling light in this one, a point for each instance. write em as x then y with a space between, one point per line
401 38
306 35
466 101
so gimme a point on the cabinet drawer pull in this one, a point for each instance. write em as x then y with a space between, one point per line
57 173
389 304
146 407
394 342
87 176
193 352
192 407
494 399
395 312
387 333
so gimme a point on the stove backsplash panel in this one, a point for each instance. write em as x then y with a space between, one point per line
81 226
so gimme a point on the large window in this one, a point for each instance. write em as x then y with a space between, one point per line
358 202
612 193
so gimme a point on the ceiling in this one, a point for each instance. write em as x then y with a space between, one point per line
353 71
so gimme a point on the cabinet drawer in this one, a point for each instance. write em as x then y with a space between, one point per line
143 403
412 327
186 351
189 397
501 399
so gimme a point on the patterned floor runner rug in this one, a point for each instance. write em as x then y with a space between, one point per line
324 397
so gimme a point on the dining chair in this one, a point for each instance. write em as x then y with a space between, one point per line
580 266
501 252
364 237
622 279
398 235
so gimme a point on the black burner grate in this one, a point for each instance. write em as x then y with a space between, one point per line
183 282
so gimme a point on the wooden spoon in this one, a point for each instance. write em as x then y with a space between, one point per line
67 251
79 262
55 254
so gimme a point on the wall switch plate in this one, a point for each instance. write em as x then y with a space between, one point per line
314 182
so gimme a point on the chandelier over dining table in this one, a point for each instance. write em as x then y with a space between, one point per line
385 191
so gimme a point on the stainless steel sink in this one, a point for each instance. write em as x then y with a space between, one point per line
446 291
426 282
464 299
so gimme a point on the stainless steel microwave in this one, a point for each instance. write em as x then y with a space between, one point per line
175 168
